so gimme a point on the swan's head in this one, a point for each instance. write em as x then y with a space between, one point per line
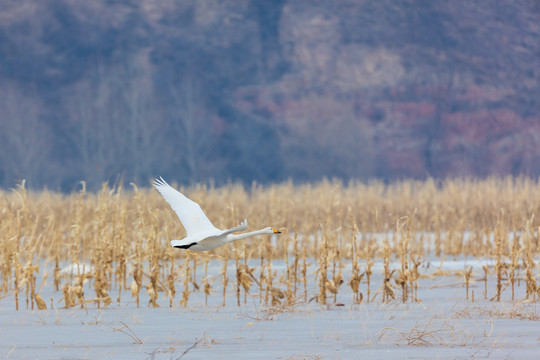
271 230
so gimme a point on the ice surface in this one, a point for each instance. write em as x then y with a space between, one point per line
443 325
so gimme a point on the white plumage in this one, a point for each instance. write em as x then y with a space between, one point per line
202 235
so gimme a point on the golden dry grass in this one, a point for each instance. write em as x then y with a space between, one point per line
327 223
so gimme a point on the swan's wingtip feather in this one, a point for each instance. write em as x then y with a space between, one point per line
160 182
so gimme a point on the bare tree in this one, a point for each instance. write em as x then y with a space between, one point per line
25 139
144 126
114 121
192 128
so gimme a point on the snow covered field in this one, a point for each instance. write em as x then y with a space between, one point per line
443 325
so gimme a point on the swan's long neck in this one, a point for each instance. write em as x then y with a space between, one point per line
234 237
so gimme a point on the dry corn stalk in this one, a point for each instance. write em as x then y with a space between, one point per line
68 297
187 275
171 277
514 260
404 274
77 291
136 283
152 294
224 281
37 298
115 227
354 283
245 277
467 275
414 277
323 268
499 265
270 276
388 291
277 296
532 290
208 290
485 268
40 302
295 264
100 287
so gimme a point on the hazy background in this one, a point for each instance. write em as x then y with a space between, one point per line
267 90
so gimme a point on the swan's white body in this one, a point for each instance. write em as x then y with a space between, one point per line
202 235
73 270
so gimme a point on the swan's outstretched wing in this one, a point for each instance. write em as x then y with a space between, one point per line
190 213
243 226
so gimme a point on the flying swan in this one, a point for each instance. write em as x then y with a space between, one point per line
201 234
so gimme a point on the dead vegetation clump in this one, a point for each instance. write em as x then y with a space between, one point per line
522 310
431 332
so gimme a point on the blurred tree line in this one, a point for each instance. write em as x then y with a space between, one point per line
264 91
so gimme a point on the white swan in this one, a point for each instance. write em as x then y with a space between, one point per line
73 270
201 234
